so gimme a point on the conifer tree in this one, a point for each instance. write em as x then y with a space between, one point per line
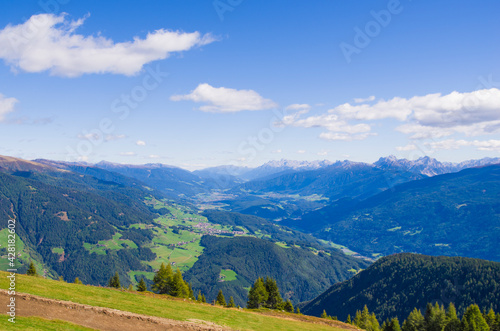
199 299
452 321
435 317
61 279
274 300
141 286
257 294
162 280
298 311
473 320
179 288
31 270
348 321
231 303
115 281
490 318
220 299
190 291
324 314
77 281
288 307
203 299
414 322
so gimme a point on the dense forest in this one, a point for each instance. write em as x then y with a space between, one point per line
395 285
299 272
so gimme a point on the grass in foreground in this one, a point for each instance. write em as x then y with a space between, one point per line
38 323
162 306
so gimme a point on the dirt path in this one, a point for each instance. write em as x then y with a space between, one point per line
97 317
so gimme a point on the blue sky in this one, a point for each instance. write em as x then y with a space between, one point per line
244 82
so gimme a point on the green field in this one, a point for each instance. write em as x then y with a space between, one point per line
114 243
37 323
158 305
227 275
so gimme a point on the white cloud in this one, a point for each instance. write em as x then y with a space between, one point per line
6 105
140 143
111 137
322 153
297 106
47 42
154 156
301 151
225 100
450 144
128 154
430 116
409 147
360 100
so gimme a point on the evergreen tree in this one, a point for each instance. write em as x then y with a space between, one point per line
130 287
473 320
257 294
348 321
365 320
435 317
324 314
490 318
141 286
31 270
288 307
199 299
452 321
77 281
298 311
115 281
61 279
203 299
179 288
162 280
393 325
190 291
220 299
231 303
414 322
274 300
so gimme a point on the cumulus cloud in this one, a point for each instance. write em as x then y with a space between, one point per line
6 106
226 100
47 42
140 143
360 100
429 116
450 144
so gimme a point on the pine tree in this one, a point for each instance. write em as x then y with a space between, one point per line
190 291
288 307
199 299
274 300
414 322
348 321
77 281
203 299
231 303
115 281
452 321
179 288
324 314
31 270
141 286
257 294
490 318
61 279
162 280
220 299
298 311
394 325
473 319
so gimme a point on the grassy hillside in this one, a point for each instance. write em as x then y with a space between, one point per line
161 306
396 284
